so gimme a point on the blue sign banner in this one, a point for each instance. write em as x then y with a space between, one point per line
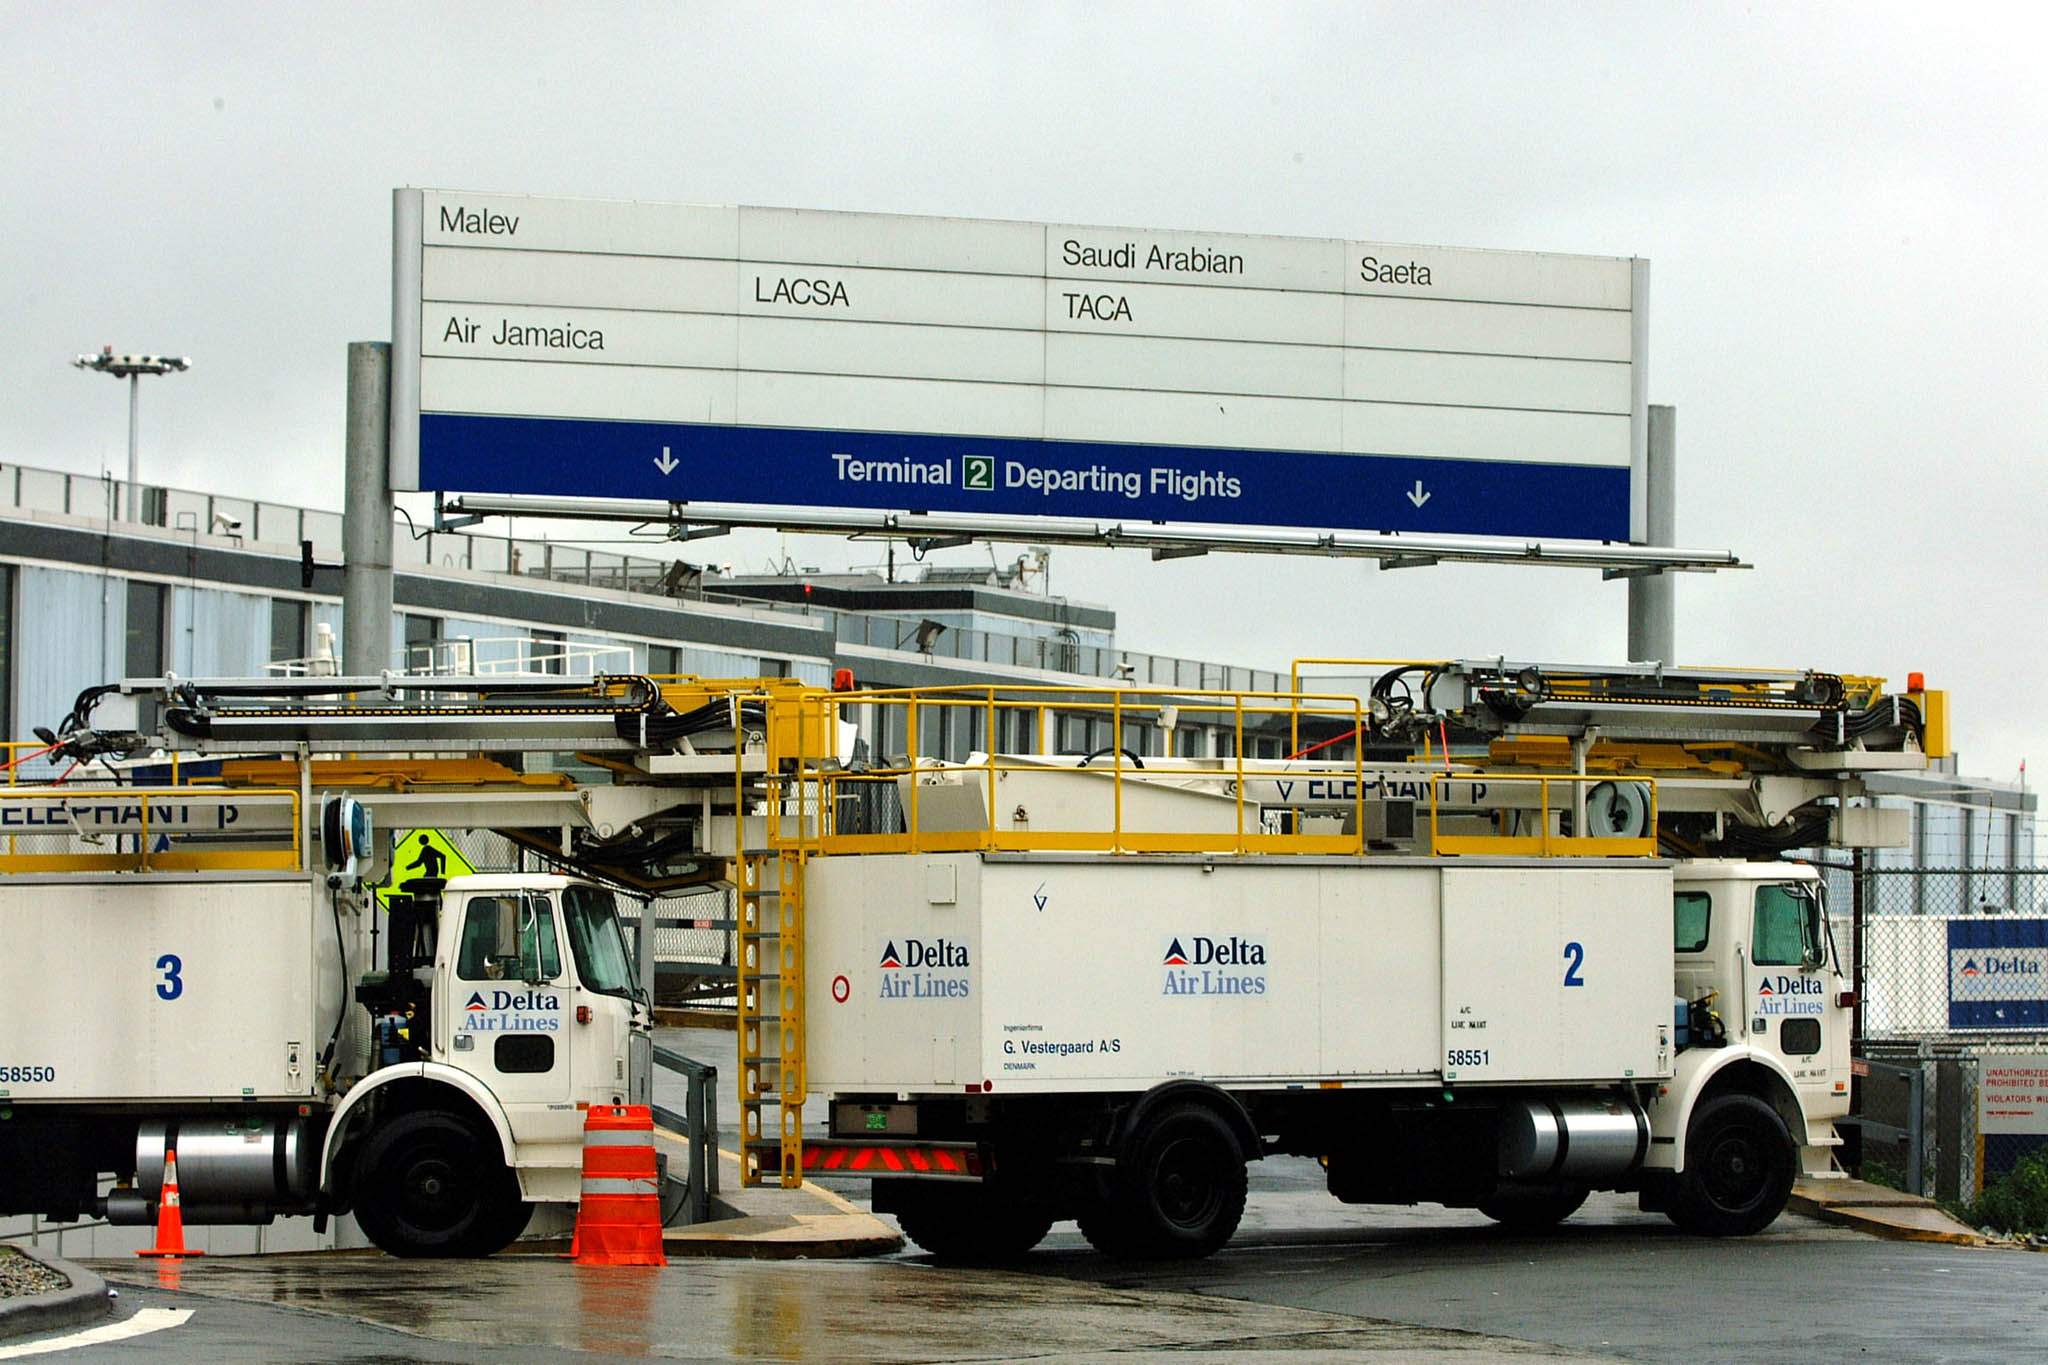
1096 481
1998 973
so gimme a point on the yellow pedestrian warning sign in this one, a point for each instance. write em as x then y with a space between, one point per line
422 853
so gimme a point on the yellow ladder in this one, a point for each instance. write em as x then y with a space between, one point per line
771 1017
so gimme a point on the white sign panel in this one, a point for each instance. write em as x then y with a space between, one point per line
2012 1095
785 357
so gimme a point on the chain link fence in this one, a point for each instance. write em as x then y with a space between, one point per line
1951 972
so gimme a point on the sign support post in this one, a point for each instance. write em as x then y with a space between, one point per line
366 525
1651 619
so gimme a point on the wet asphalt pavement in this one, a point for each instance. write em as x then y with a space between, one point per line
517 1309
1306 1278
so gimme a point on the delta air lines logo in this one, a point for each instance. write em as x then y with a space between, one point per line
925 969
1998 976
1197 964
1790 995
512 1012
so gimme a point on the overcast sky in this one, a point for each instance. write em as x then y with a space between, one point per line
1841 204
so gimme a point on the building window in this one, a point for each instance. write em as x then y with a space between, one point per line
422 633
664 661
143 655
287 629
549 649
143 651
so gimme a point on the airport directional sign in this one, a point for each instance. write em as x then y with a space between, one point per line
810 359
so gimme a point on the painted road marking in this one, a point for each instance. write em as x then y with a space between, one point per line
143 1323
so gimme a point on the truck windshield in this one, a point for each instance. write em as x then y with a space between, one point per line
598 941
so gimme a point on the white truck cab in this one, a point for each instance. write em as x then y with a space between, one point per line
305 1052
511 999
1764 1023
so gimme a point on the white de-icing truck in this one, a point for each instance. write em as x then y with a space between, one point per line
236 1019
1114 1039
1496 989
203 969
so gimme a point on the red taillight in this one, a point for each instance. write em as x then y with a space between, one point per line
583 1014
1846 999
893 1158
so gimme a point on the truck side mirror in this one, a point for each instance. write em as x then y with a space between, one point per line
505 936
1813 931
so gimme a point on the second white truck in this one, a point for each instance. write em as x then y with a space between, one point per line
1010 1039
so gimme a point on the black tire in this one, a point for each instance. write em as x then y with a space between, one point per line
429 1183
1179 1188
1739 1166
1103 1225
1532 1210
514 1214
972 1224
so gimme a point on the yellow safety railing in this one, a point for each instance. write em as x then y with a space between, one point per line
1149 803
1122 816
141 816
1533 829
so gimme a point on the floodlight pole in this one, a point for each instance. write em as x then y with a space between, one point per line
132 368
134 442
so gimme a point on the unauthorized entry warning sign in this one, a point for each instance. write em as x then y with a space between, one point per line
2012 1095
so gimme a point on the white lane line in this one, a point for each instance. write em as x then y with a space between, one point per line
144 1322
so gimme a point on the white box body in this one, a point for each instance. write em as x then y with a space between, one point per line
1037 973
123 988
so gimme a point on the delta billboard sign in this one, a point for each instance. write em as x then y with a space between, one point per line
840 360
1998 973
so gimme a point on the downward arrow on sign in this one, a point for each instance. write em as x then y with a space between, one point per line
667 463
1415 494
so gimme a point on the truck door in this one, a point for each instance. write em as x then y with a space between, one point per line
1791 984
510 1011
611 1040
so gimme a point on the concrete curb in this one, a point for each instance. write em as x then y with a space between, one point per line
772 1237
33 1314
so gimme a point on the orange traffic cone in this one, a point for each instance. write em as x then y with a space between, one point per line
619 1220
170 1218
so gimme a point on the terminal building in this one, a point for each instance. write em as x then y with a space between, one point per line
206 585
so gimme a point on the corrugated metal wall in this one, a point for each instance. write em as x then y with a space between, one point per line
68 634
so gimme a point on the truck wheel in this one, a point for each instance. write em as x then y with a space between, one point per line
1532 1210
1179 1189
976 1225
1739 1165
1102 1223
429 1184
